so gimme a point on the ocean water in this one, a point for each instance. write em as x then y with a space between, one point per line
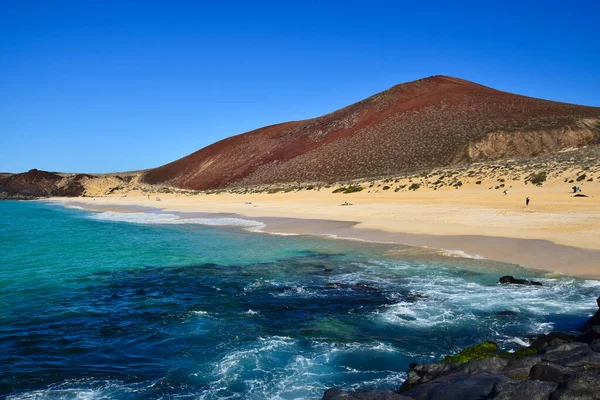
152 306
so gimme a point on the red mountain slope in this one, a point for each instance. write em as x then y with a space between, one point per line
432 122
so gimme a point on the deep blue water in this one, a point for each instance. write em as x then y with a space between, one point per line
147 306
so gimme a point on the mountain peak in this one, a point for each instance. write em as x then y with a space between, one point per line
431 122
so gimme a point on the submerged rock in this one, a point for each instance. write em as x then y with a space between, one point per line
509 279
359 287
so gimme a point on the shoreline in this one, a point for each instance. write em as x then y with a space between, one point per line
538 254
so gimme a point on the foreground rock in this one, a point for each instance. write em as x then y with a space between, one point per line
556 366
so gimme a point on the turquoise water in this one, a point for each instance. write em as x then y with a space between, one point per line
147 306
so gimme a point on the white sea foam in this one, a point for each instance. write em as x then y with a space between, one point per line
172 219
80 390
447 300
199 312
459 254
279 371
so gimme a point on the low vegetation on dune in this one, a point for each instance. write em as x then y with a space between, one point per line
576 167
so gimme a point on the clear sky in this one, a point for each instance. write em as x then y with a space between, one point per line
107 85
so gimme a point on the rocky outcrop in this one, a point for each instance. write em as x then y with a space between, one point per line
556 366
35 184
508 279
29 185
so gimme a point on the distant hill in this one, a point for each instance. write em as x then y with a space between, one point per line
433 122
35 183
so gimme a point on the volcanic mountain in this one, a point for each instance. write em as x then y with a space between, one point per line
433 122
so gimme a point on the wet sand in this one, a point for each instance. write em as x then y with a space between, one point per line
468 223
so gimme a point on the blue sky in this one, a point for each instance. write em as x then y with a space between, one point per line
101 86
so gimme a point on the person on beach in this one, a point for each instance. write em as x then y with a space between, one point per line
527 202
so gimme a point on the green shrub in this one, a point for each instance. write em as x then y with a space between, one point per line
538 179
414 186
349 189
580 178
478 183
385 188
354 189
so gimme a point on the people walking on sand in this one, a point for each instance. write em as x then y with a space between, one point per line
527 202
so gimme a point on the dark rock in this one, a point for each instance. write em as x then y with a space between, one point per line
529 390
580 195
337 394
551 339
519 368
594 320
492 365
565 347
584 361
457 386
590 335
80 177
423 373
579 387
72 189
579 357
359 287
508 279
550 372
506 313
595 345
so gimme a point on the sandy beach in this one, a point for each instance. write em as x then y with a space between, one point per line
556 232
